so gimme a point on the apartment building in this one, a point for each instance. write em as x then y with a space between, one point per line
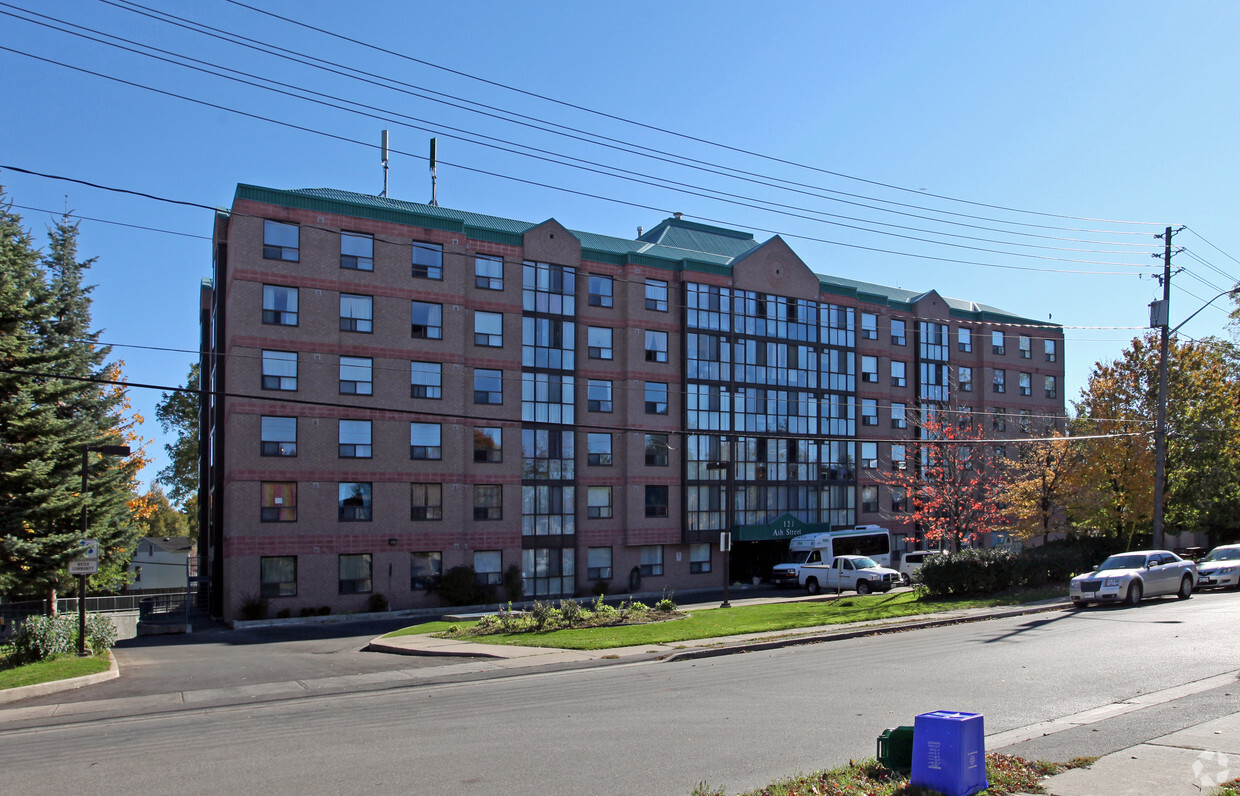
399 389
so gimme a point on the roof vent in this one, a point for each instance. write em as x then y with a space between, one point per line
677 216
640 230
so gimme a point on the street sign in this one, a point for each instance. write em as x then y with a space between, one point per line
84 566
90 549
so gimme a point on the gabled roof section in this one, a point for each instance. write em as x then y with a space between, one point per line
676 233
898 298
171 544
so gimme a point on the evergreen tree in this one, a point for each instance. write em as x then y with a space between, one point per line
52 412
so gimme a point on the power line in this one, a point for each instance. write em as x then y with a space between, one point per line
667 131
792 211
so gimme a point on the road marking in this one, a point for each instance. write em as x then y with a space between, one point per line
1104 712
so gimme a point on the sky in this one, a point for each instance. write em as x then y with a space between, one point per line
1018 155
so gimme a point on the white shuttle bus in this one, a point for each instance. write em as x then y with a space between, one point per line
871 541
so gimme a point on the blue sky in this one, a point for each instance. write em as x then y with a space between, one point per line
1064 111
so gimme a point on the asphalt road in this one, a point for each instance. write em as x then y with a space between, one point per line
738 721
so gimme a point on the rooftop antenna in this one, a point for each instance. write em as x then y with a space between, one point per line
383 146
434 163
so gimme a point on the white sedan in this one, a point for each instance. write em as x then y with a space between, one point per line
1128 577
1220 567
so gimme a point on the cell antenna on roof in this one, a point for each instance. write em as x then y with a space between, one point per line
434 163
383 157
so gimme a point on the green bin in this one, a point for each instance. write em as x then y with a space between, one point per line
895 749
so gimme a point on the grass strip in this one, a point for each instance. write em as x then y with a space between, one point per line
61 667
763 618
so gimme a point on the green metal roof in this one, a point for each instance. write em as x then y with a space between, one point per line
674 244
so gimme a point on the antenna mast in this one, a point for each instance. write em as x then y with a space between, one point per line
434 187
383 146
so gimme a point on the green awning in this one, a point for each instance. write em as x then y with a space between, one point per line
785 526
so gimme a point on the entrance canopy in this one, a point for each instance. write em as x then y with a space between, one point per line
785 526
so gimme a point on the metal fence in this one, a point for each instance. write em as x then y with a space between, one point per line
13 614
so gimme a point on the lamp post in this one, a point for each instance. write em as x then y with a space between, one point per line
106 450
1160 316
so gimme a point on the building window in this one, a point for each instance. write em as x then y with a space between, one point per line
280 370
899 458
1026 383
425 380
656 295
280 305
964 378
355 573
425 570
899 500
280 241
355 376
996 343
998 419
652 560
425 502
488 272
489 567
427 321
898 419
598 395
656 346
869 412
656 398
598 343
656 450
598 450
656 500
489 329
427 260
278 436
1048 350
548 343
869 369
869 456
354 440
598 503
869 326
869 499
897 332
548 510
549 289
547 398
488 445
488 386
425 442
599 288
964 340
356 313
1025 345
279 501
899 377
1049 386
999 381
357 251
598 563
354 501
488 502
699 558
277 576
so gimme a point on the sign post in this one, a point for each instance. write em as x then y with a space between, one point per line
87 564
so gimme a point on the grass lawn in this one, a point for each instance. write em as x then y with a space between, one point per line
771 617
61 667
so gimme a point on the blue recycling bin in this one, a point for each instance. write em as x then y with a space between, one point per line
949 752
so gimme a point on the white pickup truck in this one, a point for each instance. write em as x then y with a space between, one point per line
846 573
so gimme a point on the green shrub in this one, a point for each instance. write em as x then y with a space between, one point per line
541 613
570 612
600 588
460 587
42 637
306 611
284 613
377 603
253 607
100 633
325 610
666 603
514 583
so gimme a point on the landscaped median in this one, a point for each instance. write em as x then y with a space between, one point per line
720 622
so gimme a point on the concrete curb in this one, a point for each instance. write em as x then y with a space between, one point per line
41 689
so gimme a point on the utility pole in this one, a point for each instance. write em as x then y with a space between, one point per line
1162 317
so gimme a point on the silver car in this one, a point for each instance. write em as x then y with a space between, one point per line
1221 567
1127 577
